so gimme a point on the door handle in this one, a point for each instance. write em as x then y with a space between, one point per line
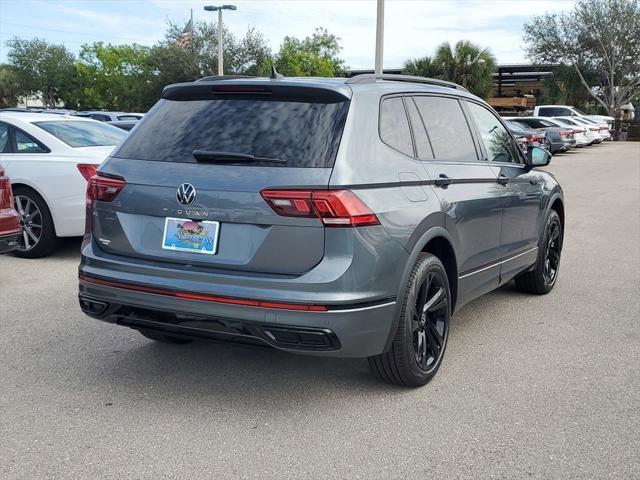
503 179
443 181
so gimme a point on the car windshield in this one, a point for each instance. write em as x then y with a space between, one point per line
83 134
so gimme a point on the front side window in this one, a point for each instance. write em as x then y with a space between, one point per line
497 141
83 134
447 127
27 144
394 126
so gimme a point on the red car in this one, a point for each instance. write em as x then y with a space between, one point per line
10 228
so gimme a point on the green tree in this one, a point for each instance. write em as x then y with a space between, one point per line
42 69
601 36
421 67
10 88
564 87
115 77
466 64
317 55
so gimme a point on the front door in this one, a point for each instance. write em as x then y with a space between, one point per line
521 192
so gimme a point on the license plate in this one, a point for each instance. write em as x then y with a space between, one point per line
195 236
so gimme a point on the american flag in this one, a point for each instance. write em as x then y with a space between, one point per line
184 40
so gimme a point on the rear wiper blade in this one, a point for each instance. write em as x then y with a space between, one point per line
230 157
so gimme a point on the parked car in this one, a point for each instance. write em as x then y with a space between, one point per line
591 133
124 124
579 131
568 111
10 228
110 116
558 139
317 216
49 159
526 136
600 130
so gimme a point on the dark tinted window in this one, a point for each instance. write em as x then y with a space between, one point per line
553 111
447 128
129 117
27 144
497 141
420 137
100 117
394 126
536 123
304 134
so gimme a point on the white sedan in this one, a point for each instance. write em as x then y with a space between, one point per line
49 159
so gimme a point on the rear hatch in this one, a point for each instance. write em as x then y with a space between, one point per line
202 156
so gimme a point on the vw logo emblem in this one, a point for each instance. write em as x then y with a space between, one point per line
186 194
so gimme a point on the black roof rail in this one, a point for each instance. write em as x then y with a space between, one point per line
212 78
372 77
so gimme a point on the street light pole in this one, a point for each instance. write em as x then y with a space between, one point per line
212 8
379 36
220 48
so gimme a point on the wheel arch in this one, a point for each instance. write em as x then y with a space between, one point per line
439 242
28 186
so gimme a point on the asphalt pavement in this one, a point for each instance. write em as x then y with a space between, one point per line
531 387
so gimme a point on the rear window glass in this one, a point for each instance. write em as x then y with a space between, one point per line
302 133
83 134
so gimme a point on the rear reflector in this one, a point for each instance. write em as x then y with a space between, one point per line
206 298
334 208
87 170
104 189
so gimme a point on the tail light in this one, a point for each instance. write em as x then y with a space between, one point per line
87 170
334 208
6 198
104 189
565 133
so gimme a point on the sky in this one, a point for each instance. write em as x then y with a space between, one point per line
413 28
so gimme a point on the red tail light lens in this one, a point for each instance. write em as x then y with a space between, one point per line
6 198
104 189
565 133
334 208
87 170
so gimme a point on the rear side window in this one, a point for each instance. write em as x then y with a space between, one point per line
447 127
27 144
423 146
83 134
394 126
4 138
303 133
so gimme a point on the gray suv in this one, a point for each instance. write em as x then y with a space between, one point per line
329 217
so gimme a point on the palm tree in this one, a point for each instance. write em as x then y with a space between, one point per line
422 67
467 65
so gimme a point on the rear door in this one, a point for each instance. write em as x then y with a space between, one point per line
294 133
467 188
521 191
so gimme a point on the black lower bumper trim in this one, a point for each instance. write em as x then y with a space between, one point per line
200 326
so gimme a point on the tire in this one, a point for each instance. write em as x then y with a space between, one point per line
164 338
542 278
421 338
39 236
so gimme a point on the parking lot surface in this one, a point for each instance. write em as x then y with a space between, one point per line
531 387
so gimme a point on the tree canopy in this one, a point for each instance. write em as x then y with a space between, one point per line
599 36
465 64
131 77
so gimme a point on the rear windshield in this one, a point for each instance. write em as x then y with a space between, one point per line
83 134
302 133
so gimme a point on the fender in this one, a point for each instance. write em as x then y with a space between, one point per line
418 246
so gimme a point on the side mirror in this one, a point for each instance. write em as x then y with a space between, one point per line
537 157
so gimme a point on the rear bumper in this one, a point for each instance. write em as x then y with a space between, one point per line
340 331
9 241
